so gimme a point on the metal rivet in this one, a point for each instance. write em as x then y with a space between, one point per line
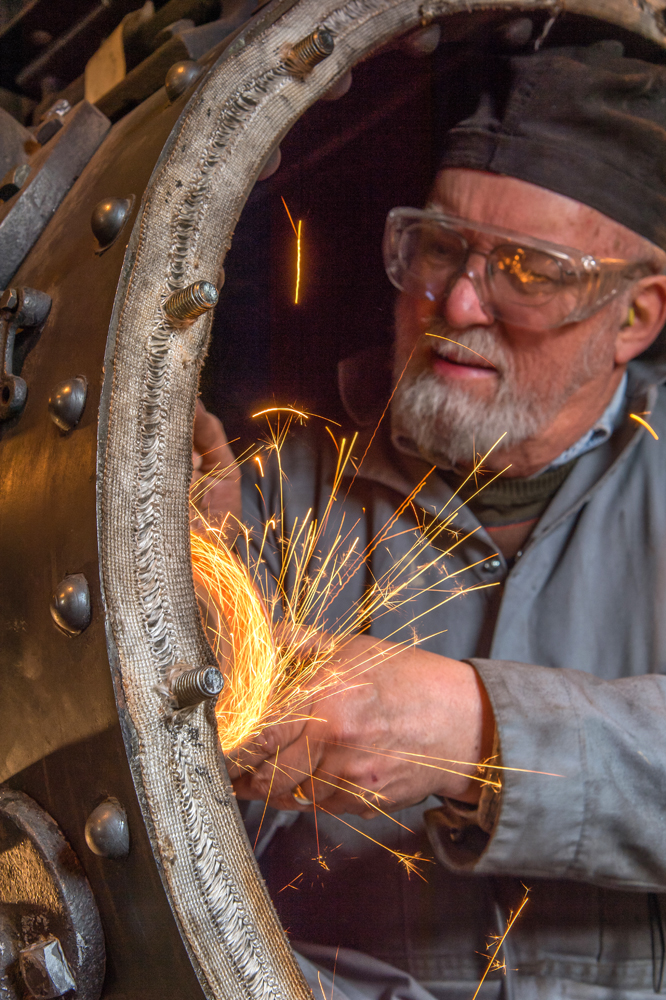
45 970
107 830
492 565
191 687
67 402
306 54
180 77
70 605
191 302
14 180
108 219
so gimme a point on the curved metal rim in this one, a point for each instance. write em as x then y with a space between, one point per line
246 102
87 958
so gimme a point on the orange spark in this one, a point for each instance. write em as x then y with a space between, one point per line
298 262
408 861
645 424
437 336
314 805
492 960
297 233
270 789
290 885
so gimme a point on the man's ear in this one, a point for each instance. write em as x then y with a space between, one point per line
646 315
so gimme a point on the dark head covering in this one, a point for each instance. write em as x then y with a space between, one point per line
585 122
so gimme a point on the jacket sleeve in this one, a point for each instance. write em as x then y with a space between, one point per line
583 780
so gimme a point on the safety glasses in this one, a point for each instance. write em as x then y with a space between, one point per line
518 280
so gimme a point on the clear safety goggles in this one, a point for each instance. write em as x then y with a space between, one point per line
519 280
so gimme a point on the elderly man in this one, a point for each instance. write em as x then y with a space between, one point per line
529 285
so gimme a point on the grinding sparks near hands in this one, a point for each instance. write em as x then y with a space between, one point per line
274 628
279 661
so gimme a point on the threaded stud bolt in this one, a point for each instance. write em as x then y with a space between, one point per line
189 303
306 54
191 687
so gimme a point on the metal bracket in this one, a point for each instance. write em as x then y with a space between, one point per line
20 308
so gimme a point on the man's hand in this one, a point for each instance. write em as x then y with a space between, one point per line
417 710
216 479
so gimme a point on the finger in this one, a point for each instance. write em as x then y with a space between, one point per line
338 89
210 440
306 793
271 164
246 760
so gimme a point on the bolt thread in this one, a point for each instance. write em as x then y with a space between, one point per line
192 301
311 50
194 686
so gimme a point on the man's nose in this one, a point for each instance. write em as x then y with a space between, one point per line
462 306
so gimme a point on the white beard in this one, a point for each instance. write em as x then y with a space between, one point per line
450 425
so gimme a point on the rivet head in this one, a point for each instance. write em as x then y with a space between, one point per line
14 180
302 58
107 830
192 686
45 970
70 604
491 565
67 402
180 77
108 219
185 305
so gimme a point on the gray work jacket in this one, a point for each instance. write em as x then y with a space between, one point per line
572 651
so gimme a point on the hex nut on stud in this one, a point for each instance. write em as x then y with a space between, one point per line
45 970
108 218
180 78
302 58
194 686
14 180
191 302
9 299
70 604
107 830
67 402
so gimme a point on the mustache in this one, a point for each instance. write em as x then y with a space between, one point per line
470 346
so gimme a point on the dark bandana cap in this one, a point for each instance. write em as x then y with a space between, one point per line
584 122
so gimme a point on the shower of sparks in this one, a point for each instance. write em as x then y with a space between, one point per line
645 424
493 963
270 631
297 234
